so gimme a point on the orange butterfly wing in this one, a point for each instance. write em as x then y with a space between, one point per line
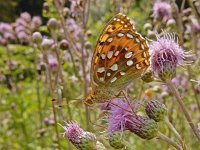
121 54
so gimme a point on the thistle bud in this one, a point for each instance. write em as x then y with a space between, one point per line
156 110
52 24
88 45
150 34
147 26
81 139
171 23
144 127
116 140
46 44
88 33
37 38
147 76
64 44
46 6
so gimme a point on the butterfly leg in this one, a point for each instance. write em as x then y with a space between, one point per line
127 100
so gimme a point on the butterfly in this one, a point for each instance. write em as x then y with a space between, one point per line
121 55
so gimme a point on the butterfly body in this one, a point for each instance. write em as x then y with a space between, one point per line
121 55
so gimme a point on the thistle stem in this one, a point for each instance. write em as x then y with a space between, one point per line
37 87
168 140
183 108
52 93
172 128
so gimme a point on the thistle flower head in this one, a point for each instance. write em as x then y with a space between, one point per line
73 132
156 110
80 138
120 113
166 55
26 16
52 24
36 21
53 63
37 37
162 10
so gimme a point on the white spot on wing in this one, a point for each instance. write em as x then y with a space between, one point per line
129 36
103 56
108 74
128 55
147 44
100 70
146 62
129 63
110 54
122 73
137 40
142 46
138 66
110 40
101 79
113 79
144 54
114 67
120 34
116 53
126 48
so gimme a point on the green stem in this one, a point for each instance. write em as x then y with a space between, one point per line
183 108
37 87
52 93
177 135
168 140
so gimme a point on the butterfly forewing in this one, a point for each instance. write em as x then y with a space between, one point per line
121 54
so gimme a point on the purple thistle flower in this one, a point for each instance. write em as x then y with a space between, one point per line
7 32
73 28
53 63
23 37
166 55
123 117
5 27
196 26
36 21
20 28
76 7
9 36
73 132
162 10
26 16
120 113
80 138
21 22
